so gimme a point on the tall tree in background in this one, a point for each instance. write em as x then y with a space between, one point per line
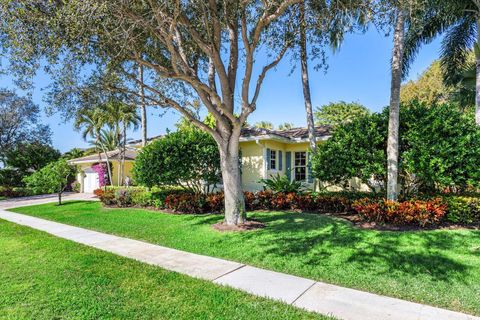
91 122
264 125
338 113
180 41
394 110
19 122
400 14
305 78
459 21
143 108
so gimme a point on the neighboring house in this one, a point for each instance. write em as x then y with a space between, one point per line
88 178
263 153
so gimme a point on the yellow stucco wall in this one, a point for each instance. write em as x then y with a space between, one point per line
254 167
115 171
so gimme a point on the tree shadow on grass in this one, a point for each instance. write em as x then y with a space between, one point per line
313 239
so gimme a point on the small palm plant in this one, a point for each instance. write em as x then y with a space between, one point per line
281 183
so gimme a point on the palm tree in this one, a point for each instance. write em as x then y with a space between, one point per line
108 140
121 117
459 21
264 125
92 121
143 109
285 126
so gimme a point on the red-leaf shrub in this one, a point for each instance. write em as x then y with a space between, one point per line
186 202
250 200
412 212
98 192
106 197
214 202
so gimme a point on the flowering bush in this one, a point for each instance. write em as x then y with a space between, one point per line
101 170
412 212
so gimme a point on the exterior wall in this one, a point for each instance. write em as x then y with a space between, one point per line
115 171
252 165
254 161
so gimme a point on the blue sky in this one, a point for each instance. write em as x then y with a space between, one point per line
358 72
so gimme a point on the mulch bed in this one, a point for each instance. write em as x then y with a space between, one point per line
247 226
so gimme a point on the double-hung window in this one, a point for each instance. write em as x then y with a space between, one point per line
273 159
300 166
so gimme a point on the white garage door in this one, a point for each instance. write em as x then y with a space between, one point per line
90 181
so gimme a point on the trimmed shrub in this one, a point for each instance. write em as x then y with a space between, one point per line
15 192
186 202
413 212
463 210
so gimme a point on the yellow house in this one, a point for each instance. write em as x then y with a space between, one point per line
270 152
263 153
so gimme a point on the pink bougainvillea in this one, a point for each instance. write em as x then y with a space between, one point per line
101 170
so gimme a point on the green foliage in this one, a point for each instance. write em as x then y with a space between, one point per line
428 88
264 125
438 149
11 177
285 126
281 183
463 210
337 113
53 178
73 154
356 150
19 122
186 158
28 157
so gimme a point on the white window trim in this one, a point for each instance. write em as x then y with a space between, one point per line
294 166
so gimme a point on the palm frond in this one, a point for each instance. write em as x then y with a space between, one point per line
456 47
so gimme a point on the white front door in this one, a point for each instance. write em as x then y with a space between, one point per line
90 181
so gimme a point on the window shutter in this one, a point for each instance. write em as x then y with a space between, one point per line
280 160
288 164
268 159
309 167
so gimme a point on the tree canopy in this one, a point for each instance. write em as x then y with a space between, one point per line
187 158
19 122
337 113
438 149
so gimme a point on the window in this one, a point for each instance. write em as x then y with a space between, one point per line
273 159
300 165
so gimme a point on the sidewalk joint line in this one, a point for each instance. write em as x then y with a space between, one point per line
301 294
231 271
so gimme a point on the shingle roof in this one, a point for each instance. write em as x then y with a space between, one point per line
289 134
130 155
137 141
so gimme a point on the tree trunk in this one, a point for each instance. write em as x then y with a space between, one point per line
394 112
110 181
60 198
305 80
232 181
477 82
143 109
124 151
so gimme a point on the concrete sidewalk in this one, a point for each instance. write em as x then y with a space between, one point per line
343 303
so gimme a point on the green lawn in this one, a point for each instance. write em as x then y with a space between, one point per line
43 277
440 268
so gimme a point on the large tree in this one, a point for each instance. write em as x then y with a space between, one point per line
19 122
196 46
400 15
